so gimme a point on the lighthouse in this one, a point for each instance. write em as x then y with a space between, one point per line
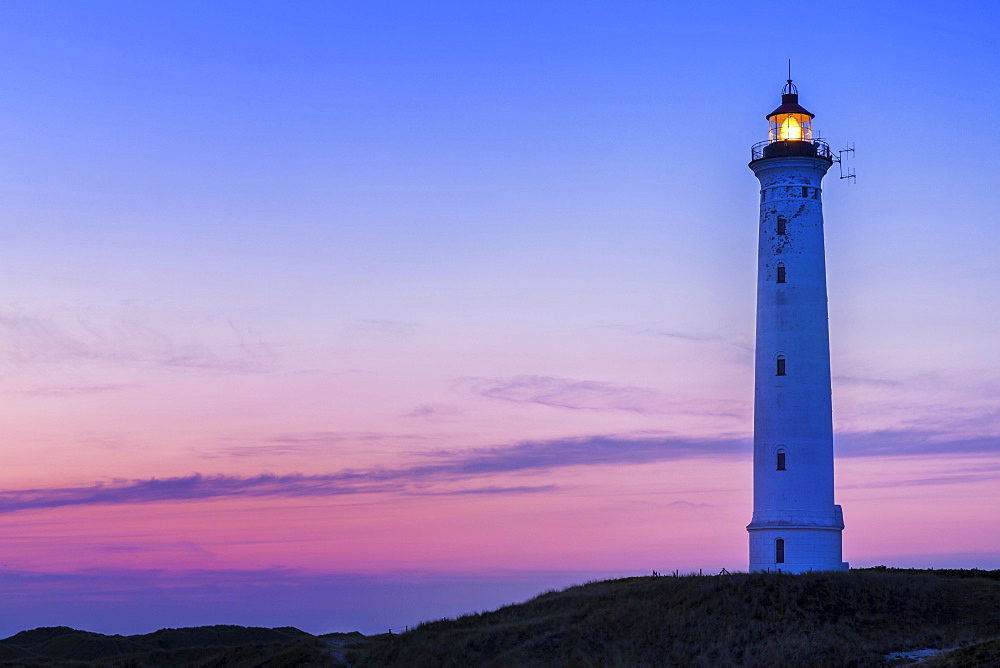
796 525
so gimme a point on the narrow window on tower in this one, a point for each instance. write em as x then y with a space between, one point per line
781 273
805 191
781 461
781 225
781 366
779 550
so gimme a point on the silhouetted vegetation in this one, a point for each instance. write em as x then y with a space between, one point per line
817 619
205 646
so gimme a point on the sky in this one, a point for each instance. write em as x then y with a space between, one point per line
350 315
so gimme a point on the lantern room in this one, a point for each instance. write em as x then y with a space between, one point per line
790 121
791 132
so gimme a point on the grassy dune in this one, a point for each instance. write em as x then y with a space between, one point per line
818 619
201 646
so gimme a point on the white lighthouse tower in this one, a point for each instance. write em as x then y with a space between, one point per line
796 526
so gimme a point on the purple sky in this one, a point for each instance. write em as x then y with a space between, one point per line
348 316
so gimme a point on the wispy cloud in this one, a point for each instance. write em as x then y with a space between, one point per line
591 395
444 467
127 335
433 411
180 547
519 489
590 451
194 487
436 470
668 331
911 442
567 393
688 505
72 390
960 476
673 334
310 443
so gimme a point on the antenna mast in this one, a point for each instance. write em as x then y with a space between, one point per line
846 172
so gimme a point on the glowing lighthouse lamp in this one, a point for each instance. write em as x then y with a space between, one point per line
796 526
789 125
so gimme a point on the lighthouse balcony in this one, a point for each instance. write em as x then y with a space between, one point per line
816 148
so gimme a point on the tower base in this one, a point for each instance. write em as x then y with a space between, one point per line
800 550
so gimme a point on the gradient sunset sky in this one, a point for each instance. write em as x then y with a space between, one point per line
349 315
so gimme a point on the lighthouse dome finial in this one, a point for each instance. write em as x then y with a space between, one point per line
789 88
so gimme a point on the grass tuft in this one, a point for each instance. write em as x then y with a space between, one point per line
815 619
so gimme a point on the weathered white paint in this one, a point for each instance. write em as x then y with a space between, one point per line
793 413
